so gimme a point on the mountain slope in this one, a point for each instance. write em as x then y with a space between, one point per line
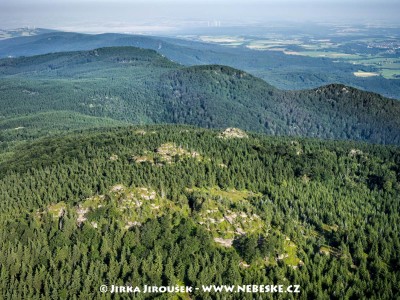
140 86
32 126
167 205
229 97
284 71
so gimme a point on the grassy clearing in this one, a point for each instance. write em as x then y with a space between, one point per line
138 204
330 228
56 209
226 214
166 153
290 250
133 205
93 202
328 250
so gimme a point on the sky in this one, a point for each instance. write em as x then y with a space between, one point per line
171 15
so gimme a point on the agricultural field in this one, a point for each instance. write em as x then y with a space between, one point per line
20 32
375 56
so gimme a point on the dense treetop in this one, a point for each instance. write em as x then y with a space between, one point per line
181 205
142 87
88 199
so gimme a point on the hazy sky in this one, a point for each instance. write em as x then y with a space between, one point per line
164 15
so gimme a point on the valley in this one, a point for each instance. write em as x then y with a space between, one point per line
286 56
121 85
370 48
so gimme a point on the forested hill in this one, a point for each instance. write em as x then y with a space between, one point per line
167 205
142 87
289 72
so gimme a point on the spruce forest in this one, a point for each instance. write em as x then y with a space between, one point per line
173 205
121 167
